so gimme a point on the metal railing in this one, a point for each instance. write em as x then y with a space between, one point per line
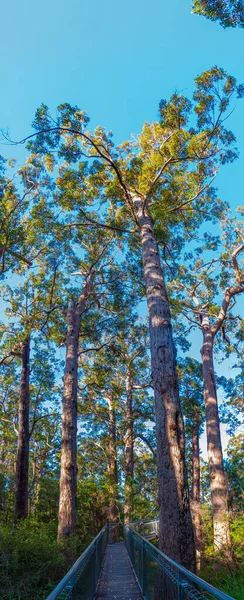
80 583
148 528
160 577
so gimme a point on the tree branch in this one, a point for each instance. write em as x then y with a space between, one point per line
101 154
146 441
194 197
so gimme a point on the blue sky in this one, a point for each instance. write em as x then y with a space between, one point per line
115 60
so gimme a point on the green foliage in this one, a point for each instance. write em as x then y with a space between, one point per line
31 563
229 577
237 537
230 13
230 582
74 216
234 470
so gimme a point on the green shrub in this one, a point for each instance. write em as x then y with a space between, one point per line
30 560
232 583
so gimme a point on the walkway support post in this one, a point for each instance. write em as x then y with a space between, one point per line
144 569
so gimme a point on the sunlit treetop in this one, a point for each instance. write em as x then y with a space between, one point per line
171 164
229 13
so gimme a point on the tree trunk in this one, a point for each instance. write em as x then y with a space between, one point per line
35 488
113 515
22 459
176 537
68 472
218 481
129 451
195 504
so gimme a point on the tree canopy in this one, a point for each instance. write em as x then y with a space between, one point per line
229 13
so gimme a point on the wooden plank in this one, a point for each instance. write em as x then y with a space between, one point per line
117 578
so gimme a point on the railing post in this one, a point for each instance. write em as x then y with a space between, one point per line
96 568
179 586
110 534
144 569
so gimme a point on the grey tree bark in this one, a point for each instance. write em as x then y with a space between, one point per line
176 537
129 450
195 492
22 459
113 510
68 472
218 481
113 515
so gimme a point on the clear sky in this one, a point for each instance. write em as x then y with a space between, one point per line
114 59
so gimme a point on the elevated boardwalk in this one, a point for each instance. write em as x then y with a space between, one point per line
104 571
117 577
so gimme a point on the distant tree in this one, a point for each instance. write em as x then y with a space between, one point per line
191 394
230 13
132 351
36 437
202 306
68 472
33 308
100 406
95 265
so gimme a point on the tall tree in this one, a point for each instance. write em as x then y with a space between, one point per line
203 286
94 267
68 473
230 13
31 310
22 460
145 186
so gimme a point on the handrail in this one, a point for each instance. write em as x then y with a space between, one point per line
158 554
144 520
70 577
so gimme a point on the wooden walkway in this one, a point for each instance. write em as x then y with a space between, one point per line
117 577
